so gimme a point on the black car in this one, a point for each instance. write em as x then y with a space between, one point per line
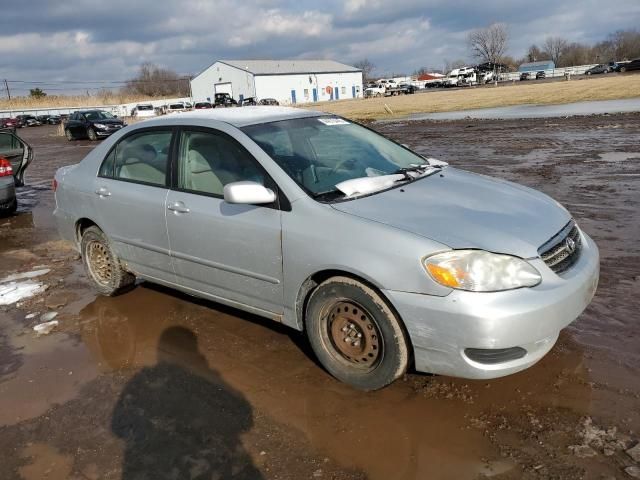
224 100
202 105
540 75
598 69
268 101
54 120
91 124
525 76
630 66
248 101
27 121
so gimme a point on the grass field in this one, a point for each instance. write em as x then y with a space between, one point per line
548 93
54 101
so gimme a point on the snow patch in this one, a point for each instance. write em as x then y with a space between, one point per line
13 292
25 275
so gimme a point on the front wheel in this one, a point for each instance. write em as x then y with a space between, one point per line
102 265
355 334
69 135
91 133
623 69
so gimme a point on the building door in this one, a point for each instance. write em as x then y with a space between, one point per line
315 94
337 90
293 96
353 91
223 88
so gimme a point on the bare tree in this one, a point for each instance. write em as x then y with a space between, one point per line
489 44
554 47
534 54
155 81
366 66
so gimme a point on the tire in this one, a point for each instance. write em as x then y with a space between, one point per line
69 135
589 73
103 267
623 69
355 334
9 209
91 134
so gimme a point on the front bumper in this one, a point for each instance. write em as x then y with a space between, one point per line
442 328
105 132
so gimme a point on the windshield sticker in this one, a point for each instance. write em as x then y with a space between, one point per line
333 121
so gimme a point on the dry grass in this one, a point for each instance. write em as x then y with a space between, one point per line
60 101
603 88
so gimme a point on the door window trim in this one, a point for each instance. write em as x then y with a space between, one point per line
281 203
168 171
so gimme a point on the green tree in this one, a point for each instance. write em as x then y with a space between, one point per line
37 93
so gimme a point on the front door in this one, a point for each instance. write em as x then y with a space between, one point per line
231 252
129 196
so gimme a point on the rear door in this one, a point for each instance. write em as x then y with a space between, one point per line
231 252
18 152
129 200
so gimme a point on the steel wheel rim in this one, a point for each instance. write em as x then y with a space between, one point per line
99 262
353 335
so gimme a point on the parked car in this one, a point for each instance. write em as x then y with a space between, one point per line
541 75
386 285
143 110
91 124
27 121
598 69
268 101
8 123
54 120
15 156
177 107
224 100
525 76
203 105
247 102
630 66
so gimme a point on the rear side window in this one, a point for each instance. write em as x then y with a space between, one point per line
139 158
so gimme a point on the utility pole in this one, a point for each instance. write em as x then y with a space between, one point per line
6 85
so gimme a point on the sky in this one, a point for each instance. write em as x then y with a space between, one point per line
58 42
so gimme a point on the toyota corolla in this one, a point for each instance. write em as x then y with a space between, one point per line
385 258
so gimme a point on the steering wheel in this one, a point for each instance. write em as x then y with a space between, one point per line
343 163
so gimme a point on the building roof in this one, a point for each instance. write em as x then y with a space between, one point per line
238 117
276 67
430 76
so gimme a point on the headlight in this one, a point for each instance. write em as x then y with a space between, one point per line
480 271
99 125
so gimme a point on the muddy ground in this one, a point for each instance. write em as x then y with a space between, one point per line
155 384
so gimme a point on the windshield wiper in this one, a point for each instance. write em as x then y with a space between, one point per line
328 195
419 168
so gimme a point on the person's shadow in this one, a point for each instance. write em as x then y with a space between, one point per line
179 419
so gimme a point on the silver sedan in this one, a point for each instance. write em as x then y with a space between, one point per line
386 259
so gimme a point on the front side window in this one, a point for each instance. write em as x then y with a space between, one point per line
140 158
98 115
320 152
208 161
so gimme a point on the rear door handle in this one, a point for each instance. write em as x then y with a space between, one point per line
103 192
178 207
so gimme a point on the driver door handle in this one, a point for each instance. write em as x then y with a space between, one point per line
103 192
178 207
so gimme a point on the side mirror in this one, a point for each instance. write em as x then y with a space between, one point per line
248 193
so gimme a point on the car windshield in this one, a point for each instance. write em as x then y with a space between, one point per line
145 107
98 115
321 152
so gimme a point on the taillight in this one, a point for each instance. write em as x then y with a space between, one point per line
5 167
54 185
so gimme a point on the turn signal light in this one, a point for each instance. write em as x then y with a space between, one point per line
443 276
5 167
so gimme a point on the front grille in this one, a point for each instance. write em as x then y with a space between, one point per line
563 250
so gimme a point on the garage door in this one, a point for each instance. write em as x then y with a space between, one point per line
223 88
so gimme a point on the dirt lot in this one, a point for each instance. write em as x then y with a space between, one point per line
582 88
154 384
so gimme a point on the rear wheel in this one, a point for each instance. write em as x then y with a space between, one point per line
91 133
623 69
355 334
102 265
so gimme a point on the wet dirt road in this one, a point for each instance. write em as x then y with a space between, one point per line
156 384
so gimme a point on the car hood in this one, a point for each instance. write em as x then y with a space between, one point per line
109 121
466 210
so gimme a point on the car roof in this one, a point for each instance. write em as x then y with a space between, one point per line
241 116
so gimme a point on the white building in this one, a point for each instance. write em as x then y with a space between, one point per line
288 81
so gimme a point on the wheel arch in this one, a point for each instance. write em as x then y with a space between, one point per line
311 283
81 225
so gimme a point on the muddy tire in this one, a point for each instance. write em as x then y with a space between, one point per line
102 265
623 69
9 209
355 334
69 135
91 134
